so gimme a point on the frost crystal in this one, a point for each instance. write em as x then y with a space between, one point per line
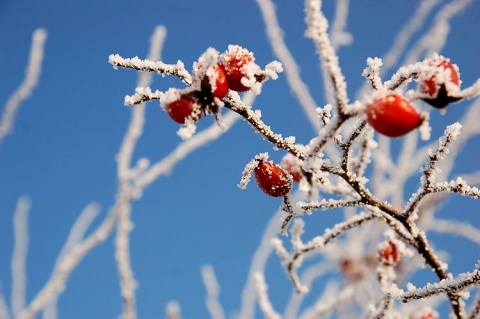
247 171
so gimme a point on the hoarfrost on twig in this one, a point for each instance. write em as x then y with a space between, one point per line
172 310
275 36
27 86
75 237
213 292
149 65
263 299
453 285
19 258
259 260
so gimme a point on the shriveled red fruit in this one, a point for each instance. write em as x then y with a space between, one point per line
272 179
291 164
388 254
219 78
436 88
392 115
237 62
180 109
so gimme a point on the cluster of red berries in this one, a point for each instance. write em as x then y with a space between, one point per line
389 114
212 78
393 115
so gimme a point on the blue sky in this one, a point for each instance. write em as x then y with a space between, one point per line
62 152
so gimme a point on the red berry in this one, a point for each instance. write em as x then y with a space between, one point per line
389 254
291 165
351 269
392 115
237 62
180 109
220 87
221 83
272 179
426 314
429 86
436 88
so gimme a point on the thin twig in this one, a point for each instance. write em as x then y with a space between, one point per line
24 91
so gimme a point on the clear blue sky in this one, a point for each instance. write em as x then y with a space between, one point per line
62 151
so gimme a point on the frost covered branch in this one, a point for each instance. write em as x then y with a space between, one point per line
450 286
332 169
234 103
75 237
263 299
3 307
328 204
213 292
56 284
148 65
317 26
134 132
475 310
292 71
294 260
24 91
429 172
19 258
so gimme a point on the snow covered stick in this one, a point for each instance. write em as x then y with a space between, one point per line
213 292
475 309
399 46
26 88
166 165
331 299
172 310
292 71
263 299
429 173
75 237
463 229
254 118
149 65
258 263
449 286
56 283
317 26
124 226
435 38
3 307
293 261
309 275
19 258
